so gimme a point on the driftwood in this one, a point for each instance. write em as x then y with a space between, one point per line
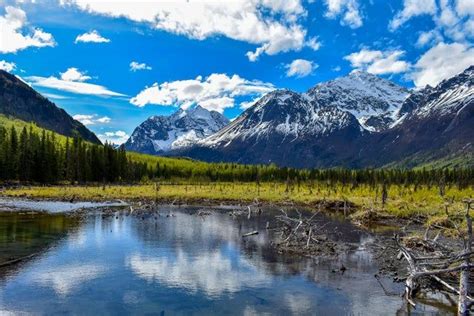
299 230
15 261
250 234
437 261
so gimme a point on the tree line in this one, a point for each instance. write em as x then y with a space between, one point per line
45 157
29 156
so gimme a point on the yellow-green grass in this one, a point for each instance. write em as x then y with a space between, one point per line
401 202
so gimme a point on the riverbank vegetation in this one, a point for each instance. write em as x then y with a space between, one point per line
402 201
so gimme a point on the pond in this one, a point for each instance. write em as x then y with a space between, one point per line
173 262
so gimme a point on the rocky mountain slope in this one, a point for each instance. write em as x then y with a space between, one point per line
355 121
374 101
160 134
19 100
435 123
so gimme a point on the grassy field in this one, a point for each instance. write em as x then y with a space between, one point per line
402 202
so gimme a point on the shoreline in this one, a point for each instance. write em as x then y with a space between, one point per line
423 203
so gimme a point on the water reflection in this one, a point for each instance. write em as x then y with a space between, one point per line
23 234
66 279
213 273
184 264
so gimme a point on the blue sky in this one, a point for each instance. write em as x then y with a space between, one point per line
112 64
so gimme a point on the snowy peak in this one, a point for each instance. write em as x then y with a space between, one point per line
358 121
283 115
448 98
374 101
160 134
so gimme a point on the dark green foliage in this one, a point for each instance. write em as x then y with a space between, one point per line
41 158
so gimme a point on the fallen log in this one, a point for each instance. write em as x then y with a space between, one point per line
250 234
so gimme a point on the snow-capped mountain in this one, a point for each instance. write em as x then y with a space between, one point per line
356 121
283 127
282 114
448 98
374 101
435 123
160 134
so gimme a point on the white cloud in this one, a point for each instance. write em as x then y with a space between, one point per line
91 119
117 137
74 74
91 37
347 9
465 7
300 68
363 57
453 19
313 43
54 96
273 25
7 66
441 62
247 104
12 39
412 8
426 38
378 62
72 80
134 66
216 92
390 64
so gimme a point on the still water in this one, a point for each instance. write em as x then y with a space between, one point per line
122 264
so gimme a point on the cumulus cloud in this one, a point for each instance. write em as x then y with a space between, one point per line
412 8
348 10
313 43
12 35
7 66
465 7
91 119
441 62
115 137
72 80
378 62
429 37
135 66
453 19
216 92
275 26
91 37
300 68
74 74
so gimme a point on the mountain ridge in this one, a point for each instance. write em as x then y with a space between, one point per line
160 134
337 137
19 100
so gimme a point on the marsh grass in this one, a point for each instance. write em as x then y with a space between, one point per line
402 202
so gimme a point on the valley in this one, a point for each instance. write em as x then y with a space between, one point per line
313 192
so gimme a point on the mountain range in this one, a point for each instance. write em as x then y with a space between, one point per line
19 100
356 121
162 134
359 120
